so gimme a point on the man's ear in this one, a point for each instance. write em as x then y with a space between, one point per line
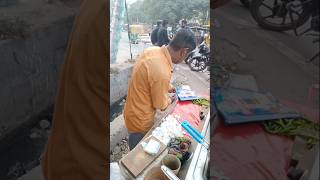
181 52
185 50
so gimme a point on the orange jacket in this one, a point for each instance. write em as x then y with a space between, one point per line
148 89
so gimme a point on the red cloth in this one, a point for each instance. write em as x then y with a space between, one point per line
248 152
189 112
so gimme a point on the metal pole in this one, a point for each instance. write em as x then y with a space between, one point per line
125 3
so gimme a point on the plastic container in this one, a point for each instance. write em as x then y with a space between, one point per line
155 174
172 162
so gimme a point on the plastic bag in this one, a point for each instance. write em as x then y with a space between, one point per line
152 147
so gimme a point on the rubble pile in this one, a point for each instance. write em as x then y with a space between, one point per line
121 149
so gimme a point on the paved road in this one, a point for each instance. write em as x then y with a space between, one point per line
276 60
124 48
199 80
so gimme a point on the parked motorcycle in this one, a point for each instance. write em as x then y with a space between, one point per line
199 59
191 55
284 15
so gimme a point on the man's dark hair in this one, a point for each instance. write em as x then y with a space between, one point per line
183 39
164 22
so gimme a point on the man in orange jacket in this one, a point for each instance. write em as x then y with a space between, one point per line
77 147
150 83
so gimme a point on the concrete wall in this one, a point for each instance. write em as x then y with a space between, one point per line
120 75
29 72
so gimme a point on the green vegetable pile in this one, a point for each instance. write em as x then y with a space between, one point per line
201 102
306 129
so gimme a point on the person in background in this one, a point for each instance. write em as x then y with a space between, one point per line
150 84
163 38
154 33
184 25
207 38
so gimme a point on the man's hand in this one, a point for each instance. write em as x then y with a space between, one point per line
173 98
172 90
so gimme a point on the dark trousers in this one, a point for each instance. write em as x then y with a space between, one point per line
134 139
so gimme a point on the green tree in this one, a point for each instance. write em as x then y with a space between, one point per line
149 11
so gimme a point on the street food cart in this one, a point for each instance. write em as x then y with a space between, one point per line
138 164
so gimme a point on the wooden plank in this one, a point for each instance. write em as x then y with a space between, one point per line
157 121
137 160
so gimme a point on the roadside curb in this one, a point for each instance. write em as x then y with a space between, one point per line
118 131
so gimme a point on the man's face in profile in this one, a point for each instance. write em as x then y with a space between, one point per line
182 55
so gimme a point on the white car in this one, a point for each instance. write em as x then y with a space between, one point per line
144 38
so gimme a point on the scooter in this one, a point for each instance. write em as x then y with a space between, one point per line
287 15
199 59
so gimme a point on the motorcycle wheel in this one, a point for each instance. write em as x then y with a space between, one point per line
245 3
187 59
278 11
197 64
